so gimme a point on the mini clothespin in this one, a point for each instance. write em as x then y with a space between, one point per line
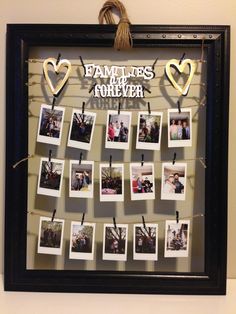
149 109
174 158
179 108
53 214
82 62
144 224
146 89
142 161
154 63
177 216
83 105
92 88
50 155
53 102
182 58
114 222
58 59
82 220
119 108
110 160
80 158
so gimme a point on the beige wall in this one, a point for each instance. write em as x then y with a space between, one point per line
140 12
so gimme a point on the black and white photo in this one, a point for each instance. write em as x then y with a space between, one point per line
142 181
50 177
81 129
115 242
145 242
118 129
82 240
50 238
173 185
111 182
81 178
50 124
180 127
149 129
177 238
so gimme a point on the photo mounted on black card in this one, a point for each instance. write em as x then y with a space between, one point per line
149 129
177 238
115 242
145 242
111 182
50 124
173 185
180 127
82 240
142 181
81 129
81 178
50 177
50 238
118 129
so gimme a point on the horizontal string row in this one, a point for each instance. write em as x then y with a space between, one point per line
34 213
200 159
120 65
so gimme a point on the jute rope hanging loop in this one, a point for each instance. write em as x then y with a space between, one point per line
123 38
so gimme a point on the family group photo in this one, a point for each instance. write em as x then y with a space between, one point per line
111 182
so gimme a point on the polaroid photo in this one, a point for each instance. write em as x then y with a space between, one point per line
50 237
81 129
50 124
82 240
111 182
115 242
177 238
173 186
118 129
50 177
179 127
81 179
145 242
149 128
142 181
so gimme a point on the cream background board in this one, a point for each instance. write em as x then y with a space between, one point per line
140 12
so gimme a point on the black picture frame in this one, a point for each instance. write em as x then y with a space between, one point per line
20 37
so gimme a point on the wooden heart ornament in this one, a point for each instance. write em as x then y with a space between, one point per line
174 63
56 66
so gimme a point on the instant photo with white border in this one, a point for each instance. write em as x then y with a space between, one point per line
50 250
80 144
143 255
172 226
149 145
111 197
167 183
179 117
144 185
115 256
81 193
50 191
82 255
45 138
116 144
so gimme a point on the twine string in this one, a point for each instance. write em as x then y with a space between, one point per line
123 38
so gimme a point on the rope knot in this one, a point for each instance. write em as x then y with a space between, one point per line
123 38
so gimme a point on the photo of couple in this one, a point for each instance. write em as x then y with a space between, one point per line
81 178
173 181
149 130
179 128
145 242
